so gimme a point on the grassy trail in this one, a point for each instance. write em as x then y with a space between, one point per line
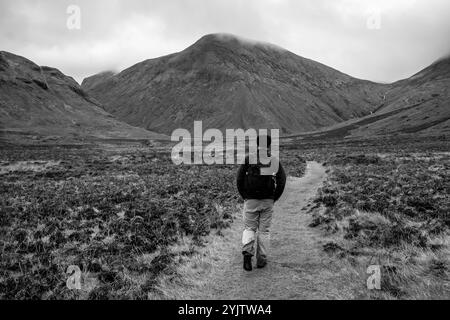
298 267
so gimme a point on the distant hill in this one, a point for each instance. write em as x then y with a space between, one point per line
229 82
94 80
422 102
419 105
42 101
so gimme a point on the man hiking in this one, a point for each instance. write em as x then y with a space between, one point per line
260 189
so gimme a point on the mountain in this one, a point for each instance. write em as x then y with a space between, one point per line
419 105
229 82
94 80
42 101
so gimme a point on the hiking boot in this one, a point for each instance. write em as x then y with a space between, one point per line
261 264
247 262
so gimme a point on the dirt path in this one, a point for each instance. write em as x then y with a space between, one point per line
298 268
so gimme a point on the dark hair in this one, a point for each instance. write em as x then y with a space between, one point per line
263 137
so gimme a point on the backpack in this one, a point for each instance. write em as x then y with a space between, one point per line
259 186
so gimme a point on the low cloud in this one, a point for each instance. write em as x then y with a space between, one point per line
115 34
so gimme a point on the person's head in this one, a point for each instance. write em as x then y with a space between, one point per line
264 138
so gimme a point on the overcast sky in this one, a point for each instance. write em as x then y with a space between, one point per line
383 40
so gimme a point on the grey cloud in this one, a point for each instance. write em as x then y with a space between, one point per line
116 34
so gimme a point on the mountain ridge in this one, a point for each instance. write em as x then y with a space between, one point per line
231 83
227 82
42 101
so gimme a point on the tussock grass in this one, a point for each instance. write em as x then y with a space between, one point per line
391 211
193 273
113 213
118 212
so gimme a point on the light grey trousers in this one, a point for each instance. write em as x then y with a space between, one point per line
257 215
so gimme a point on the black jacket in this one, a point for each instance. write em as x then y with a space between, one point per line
280 182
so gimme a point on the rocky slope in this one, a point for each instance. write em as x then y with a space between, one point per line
94 80
422 102
42 101
419 105
229 82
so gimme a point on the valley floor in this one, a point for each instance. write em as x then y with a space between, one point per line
140 227
298 266
335 223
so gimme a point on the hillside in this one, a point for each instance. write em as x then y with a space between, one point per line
232 83
94 80
419 105
42 101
